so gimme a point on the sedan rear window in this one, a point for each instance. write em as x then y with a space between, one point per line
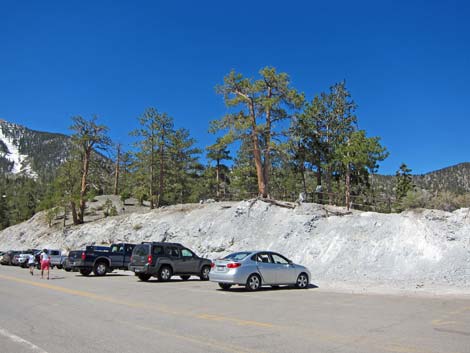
236 256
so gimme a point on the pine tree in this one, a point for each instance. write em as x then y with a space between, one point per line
218 153
152 156
263 104
403 182
184 165
359 154
88 137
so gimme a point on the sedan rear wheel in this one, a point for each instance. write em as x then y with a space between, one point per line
253 282
302 281
225 286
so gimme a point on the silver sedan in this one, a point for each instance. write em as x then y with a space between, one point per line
254 269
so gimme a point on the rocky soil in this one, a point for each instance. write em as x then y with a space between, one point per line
421 251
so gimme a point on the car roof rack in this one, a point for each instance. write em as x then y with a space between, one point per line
161 243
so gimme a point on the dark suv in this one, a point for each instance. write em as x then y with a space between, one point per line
163 260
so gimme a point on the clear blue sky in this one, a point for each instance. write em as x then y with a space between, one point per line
406 63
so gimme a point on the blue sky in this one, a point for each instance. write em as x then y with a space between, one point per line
406 63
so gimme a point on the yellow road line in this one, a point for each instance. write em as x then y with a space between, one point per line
219 346
306 333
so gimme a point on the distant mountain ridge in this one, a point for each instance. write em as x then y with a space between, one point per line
31 153
455 179
38 154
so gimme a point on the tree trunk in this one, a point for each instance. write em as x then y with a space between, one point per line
304 183
329 187
65 215
217 176
348 186
257 154
152 173
86 164
319 183
267 153
161 177
116 171
74 213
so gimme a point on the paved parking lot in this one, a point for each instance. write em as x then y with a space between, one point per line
118 314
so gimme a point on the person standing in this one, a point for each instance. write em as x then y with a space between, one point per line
31 263
45 263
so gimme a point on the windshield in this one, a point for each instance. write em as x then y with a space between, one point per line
236 256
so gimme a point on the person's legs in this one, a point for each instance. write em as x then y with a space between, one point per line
42 269
48 267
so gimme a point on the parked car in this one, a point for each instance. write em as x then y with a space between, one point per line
254 269
7 258
102 260
23 257
164 260
16 259
68 260
55 256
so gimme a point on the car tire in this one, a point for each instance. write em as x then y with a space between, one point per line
144 277
85 272
205 273
225 286
165 273
67 269
302 281
185 277
253 283
100 268
59 267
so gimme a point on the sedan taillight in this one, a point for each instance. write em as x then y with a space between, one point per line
212 265
234 265
83 256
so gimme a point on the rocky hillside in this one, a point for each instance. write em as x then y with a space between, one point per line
417 251
30 153
455 179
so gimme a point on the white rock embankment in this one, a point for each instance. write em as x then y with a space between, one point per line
419 251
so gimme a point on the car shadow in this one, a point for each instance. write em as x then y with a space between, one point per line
107 275
171 281
242 289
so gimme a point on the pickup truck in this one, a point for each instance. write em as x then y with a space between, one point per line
101 260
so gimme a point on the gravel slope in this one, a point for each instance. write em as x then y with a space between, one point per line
424 251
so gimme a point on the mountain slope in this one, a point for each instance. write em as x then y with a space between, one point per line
31 153
455 179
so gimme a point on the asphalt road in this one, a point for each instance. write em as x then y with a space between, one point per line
119 314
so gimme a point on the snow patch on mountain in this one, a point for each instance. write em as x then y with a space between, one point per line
20 161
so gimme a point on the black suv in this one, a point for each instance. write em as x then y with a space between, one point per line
163 260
